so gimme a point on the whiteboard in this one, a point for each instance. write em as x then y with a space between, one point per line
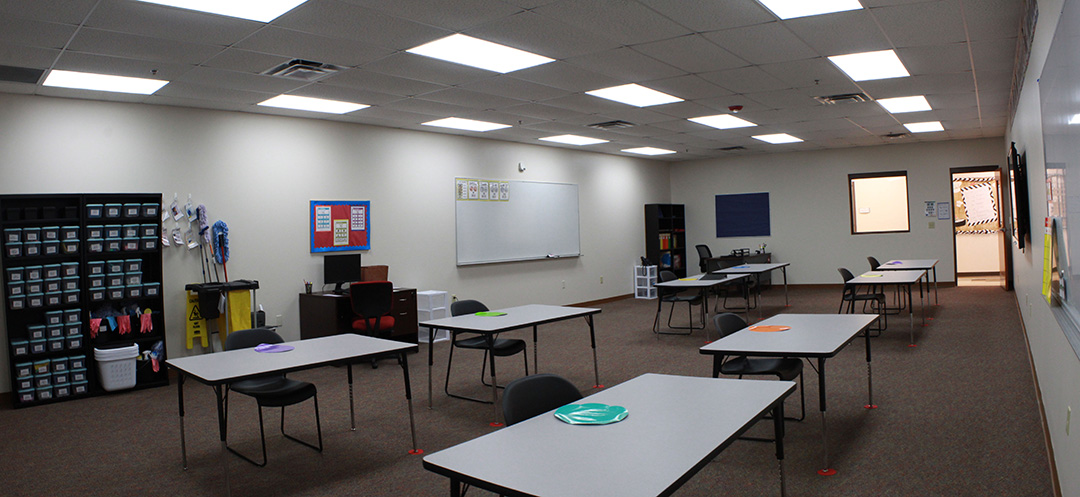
536 221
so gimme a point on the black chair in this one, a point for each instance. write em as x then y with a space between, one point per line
273 391
874 265
530 396
704 254
742 289
675 296
372 302
500 347
851 295
785 368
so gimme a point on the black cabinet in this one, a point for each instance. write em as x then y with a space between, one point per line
82 272
665 237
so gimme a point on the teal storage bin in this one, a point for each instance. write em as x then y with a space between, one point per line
113 210
31 234
95 211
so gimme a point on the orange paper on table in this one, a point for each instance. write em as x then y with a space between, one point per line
765 328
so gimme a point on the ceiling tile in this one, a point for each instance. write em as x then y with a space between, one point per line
345 94
95 41
762 43
235 59
711 16
692 53
220 78
35 33
689 87
120 66
993 19
626 64
937 59
745 80
508 86
12 54
471 99
623 21
383 83
453 15
840 33
928 23
567 77
291 44
333 19
418 67
543 35
61 11
543 112
159 21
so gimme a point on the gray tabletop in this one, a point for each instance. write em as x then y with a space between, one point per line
908 277
232 365
905 264
515 317
696 281
753 268
674 423
811 335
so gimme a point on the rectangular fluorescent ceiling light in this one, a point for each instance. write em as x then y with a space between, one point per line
254 10
722 121
1075 119
790 9
102 82
312 104
465 124
648 151
926 127
573 140
867 66
461 49
778 138
634 94
899 105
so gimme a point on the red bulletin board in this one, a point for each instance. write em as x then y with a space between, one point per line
340 225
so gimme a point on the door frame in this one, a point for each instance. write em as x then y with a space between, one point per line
1007 270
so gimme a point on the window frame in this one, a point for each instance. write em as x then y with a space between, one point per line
853 209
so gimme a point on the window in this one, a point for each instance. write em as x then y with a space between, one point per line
879 203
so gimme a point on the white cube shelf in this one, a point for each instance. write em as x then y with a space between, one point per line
432 304
645 282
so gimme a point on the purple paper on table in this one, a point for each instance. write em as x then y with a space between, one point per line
270 348
893 263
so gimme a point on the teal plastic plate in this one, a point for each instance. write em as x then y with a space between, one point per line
591 414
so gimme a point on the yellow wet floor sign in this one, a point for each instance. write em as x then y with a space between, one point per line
196 325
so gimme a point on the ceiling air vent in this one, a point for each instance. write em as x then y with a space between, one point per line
612 125
303 70
14 74
735 148
894 136
843 98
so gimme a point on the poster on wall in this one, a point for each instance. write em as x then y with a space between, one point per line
340 225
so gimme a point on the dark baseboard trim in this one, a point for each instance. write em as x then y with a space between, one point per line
1042 407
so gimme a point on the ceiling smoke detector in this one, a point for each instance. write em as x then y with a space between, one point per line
303 70
843 98
612 125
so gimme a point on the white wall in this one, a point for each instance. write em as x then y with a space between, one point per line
258 173
809 203
1056 363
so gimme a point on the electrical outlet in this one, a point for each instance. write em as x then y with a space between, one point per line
278 320
601 280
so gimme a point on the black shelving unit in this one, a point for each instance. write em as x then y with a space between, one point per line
63 271
665 237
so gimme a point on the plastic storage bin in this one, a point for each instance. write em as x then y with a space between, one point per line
95 268
117 367
150 210
69 269
132 210
132 265
113 210
51 247
50 234
15 274
52 271
14 249
94 211
31 234
95 245
95 231
130 231
69 233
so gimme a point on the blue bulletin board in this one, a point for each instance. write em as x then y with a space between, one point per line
340 225
742 214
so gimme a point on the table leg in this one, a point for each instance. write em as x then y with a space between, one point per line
935 285
911 316
222 427
536 355
408 399
595 362
704 311
784 270
431 359
826 470
778 435
746 296
924 301
494 380
869 373
352 407
180 401
455 488
760 315
659 307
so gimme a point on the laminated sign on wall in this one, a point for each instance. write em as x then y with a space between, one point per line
340 225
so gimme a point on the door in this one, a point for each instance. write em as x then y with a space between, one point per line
980 247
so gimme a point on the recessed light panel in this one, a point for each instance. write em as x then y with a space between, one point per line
634 94
867 66
312 104
648 151
254 10
102 82
790 9
778 138
573 140
461 49
723 121
465 124
926 127
1075 119
899 105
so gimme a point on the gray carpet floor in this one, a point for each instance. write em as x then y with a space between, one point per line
958 416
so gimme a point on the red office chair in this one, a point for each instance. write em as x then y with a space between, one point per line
371 302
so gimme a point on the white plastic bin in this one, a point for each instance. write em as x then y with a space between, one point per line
117 367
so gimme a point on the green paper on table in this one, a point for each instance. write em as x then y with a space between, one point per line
591 414
490 313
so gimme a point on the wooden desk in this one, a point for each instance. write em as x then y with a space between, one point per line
325 313
813 336
675 426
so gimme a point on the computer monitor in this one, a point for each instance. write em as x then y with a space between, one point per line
340 270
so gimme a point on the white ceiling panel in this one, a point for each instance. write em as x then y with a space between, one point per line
712 54
763 43
291 44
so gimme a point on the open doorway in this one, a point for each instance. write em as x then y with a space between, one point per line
979 239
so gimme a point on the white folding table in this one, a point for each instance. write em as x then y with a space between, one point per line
899 278
702 283
914 264
757 270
